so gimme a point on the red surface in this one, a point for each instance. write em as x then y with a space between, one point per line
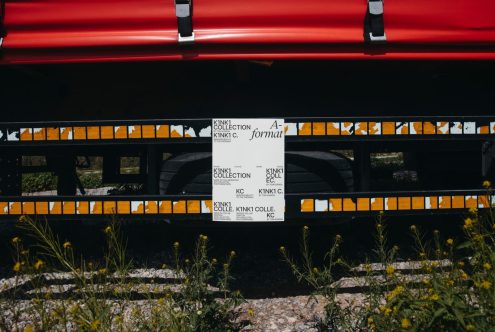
110 30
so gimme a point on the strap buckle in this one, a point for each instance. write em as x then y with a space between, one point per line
183 11
374 25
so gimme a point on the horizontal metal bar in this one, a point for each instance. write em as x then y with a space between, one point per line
296 130
200 207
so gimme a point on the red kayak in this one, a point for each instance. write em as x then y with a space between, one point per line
43 31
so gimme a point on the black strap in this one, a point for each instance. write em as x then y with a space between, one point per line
184 18
3 31
374 27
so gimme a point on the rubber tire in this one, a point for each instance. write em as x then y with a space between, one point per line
307 172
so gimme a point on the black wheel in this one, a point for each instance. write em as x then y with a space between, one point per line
308 171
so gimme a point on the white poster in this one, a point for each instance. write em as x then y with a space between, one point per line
248 169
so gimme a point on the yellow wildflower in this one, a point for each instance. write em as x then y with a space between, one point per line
250 312
232 253
468 223
450 242
15 240
38 265
487 184
95 325
450 282
103 271
487 266
473 210
108 230
28 328
390 270
338 237
306 228
17 267
176 244
405 323
67 245
370 320
485 284
385 310
413 228
315 270
434 297
464 276
282 249
461 264
470 327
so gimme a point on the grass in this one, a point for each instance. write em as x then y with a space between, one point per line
454 292
102 300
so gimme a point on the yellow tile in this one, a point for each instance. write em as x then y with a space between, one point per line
82 207
193 207
120 132
418 203
335 204
79 133
39 134
41 207
374 128
363 204
109 207
134 131
94 132
444 202
55 207
69 207
15 208
458 202
137 207
429 128
471 202
26 134
207 206
483 201
307 205
418 127
348 204
124 207
28 208
318 128
53 134
179 206
162 131
388 128
165 207
106 132
304 128
66 134
333 129
96 207
346 128
361 128
485 129
404 203
4 209
433 202
391 203
150 207
377 204
148 131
